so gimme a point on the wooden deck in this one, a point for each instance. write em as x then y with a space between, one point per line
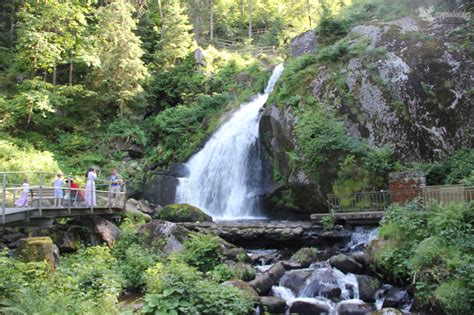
41 210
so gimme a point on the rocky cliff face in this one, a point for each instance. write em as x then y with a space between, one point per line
406 83
416 96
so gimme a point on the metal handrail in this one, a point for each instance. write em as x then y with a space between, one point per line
380 200
40 190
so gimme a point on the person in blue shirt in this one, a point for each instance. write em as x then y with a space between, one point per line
115 186
58 190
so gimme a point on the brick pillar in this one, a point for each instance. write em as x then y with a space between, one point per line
406 186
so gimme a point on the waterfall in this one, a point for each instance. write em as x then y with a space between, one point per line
225 176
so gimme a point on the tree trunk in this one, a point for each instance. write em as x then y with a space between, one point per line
308 6
211 22
242 15
54 75
160 10
250 19
70 73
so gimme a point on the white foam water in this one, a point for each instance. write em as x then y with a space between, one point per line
225 176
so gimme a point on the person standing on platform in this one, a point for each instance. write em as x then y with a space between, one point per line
91 176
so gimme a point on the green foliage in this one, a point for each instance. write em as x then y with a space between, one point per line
221 273
328 221
177 288
432 245
183 213
202 251
453 169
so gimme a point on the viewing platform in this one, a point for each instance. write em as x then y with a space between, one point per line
41 210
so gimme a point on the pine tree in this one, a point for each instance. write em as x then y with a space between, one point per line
122 70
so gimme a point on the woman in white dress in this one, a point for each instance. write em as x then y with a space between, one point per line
23 200
90 188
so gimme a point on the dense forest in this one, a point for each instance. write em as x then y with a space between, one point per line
140 85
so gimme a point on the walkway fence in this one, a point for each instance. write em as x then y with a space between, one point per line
41 193
379 201
242 47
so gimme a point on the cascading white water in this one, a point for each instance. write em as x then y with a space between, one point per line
224 176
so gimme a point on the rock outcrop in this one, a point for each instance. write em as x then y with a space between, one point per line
183 213
37 249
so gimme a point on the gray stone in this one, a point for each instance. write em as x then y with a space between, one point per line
295 279
303 44
345 264
165 236
178 170
273 304
305 256
243 286
106 230
161 189
353 308
368 286
309 307
262 284
396 297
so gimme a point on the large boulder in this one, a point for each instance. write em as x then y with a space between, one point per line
243 286
396 297
165 236
106 230
272 304
303 44
295 280
241 271
368 287
183 213
305 306
160 189
354 308
36 249
264 282
139 207
305 256
322 282
345 264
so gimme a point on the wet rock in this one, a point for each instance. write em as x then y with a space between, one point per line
360 257
305 256
56 255
396 297
322 282
243 286
183 213
233 253
303 44
291 265
11 238
330 291
345 264
165 236
353 308
36 249
242 271
106 230
160 189
272 304
262 284
276 272
309 307
368 286
138 206
387 311
178 170
295 279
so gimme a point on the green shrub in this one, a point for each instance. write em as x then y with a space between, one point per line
434 246
328 221
176 288
221 273
202 251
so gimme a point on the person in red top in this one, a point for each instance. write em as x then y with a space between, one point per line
74 190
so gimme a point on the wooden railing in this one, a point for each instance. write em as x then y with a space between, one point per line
240 46
380 200
41 194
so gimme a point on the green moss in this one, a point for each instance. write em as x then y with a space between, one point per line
305 256
37 249
182 213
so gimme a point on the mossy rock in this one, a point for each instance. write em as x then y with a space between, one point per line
183 213
36 249
242 286
242 271
305 256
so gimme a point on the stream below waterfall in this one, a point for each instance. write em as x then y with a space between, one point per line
225 177
321 288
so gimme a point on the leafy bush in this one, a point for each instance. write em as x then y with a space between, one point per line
434 246
176 288
202 251
328 221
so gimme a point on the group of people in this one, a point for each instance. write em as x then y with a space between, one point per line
73 193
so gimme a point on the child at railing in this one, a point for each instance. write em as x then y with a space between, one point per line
23 200
58 190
